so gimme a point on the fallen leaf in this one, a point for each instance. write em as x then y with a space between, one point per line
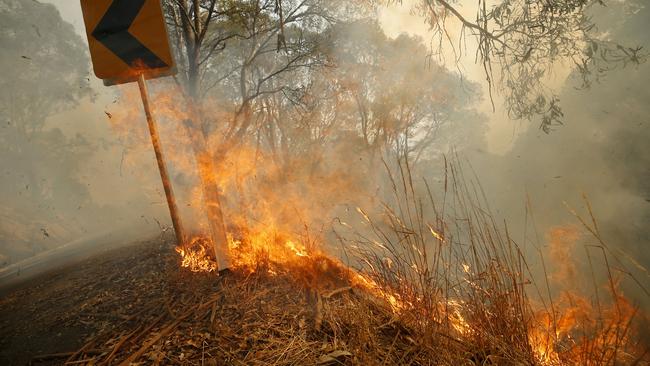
333 357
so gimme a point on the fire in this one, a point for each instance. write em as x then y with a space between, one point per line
578 330
195 256
575 327
300 252
245 254
268 211
568 333
565 334
248 252
267 250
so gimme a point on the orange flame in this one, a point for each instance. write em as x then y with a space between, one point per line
575 327
195 256
265 207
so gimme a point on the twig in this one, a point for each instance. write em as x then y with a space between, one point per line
213 314
148 328
336 292
318 316
51 356
80 351
80 361
155 339
117 347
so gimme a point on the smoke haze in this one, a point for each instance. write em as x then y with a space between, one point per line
84 164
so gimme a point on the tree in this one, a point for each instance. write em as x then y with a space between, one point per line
279 70
519 41
395 100
250 44
242 50
46 67
29 91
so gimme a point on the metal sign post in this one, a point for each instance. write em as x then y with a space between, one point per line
128 42
164 176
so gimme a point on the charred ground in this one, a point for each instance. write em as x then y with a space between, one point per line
138 305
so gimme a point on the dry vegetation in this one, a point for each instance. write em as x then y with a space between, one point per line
453 290
467 278
433 278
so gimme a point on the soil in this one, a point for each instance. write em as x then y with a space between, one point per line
54 313
137 306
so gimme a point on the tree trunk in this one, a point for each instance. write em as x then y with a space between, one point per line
210 190
194 127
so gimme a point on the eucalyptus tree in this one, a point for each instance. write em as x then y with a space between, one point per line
239 51
242 50
519 42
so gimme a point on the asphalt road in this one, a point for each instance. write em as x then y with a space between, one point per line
16 274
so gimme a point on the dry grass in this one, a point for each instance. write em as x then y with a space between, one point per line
447 260
439 282
262 319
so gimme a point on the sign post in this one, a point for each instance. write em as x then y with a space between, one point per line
128 42
155 141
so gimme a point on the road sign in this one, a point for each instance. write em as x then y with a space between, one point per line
128 42
127 38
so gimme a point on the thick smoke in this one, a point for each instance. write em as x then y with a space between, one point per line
600 152
62 177
87 166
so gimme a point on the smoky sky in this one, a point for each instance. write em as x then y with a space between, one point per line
601 153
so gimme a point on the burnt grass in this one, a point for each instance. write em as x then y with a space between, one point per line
135 305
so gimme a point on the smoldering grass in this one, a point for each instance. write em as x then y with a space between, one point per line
456 274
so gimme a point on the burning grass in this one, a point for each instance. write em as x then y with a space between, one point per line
458 283
466 277
270 316
427 282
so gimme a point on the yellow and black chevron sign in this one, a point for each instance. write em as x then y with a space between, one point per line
127 38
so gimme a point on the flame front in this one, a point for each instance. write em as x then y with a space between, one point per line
195 256
574 329
265 208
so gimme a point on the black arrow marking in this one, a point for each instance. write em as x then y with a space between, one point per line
113 32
